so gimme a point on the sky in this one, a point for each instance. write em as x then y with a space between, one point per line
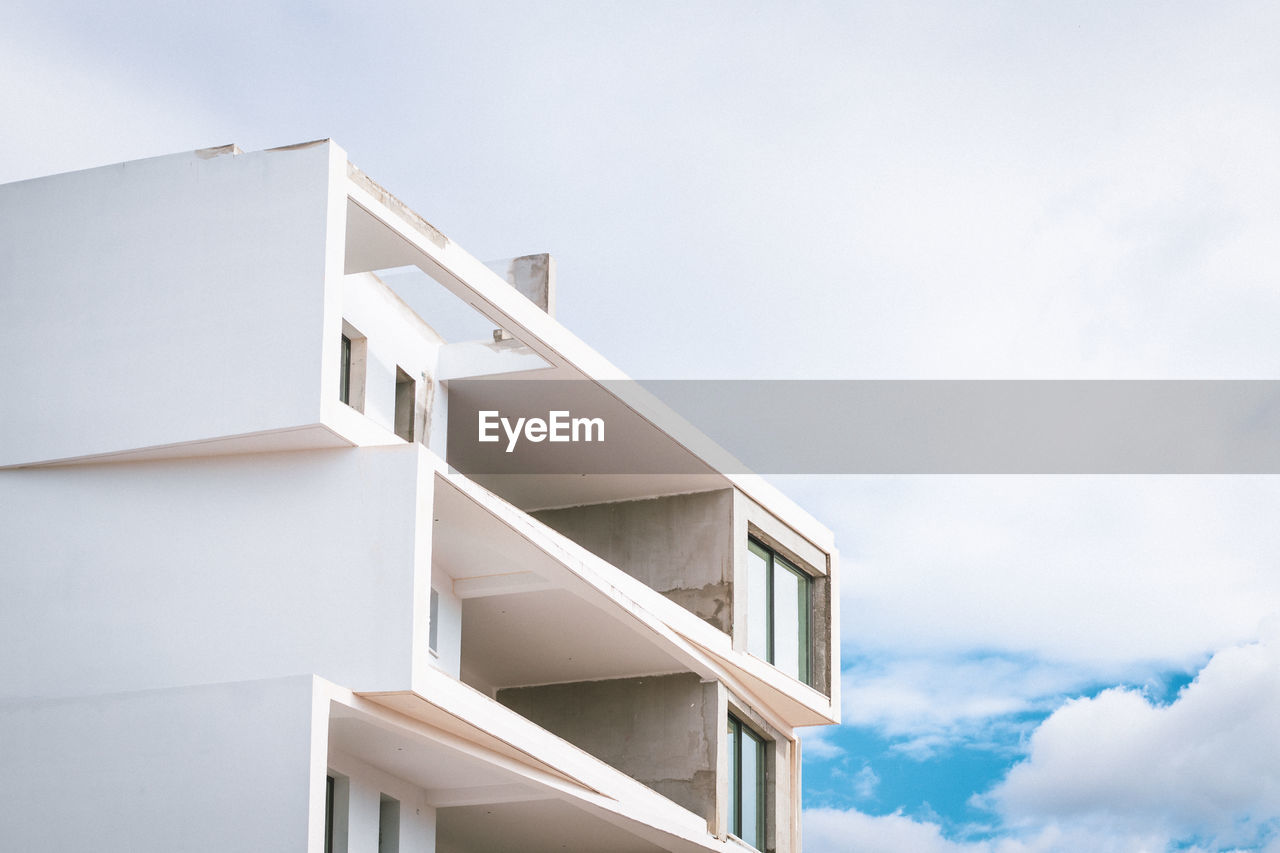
850 190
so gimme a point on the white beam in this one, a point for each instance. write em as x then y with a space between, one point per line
481 586
484 795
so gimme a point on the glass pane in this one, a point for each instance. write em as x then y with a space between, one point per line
344 375
734 790
328 814
433 622
752 789
757 601
790 616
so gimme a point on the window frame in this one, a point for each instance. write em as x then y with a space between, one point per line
804 615
739 734
405 414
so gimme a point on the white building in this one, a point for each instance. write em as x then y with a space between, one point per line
265 590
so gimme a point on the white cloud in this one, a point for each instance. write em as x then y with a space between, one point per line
817 744
931 702
839 830
969 603
1118 773
865 783
1090 572
843 830
1015 191
1207 764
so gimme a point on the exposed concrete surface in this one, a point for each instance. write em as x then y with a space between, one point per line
682 546
533 277
423 227
820 669
218 151
660 730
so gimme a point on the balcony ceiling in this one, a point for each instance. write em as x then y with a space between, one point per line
551 636
547 826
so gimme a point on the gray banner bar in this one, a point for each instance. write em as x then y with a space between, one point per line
910 427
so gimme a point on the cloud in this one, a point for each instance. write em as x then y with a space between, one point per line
832 830
1205 766
971 606
1120 773
865 783
930 703
817 745
843 830
1096 572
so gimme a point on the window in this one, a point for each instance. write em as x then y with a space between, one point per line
328 812
344 375
778 603
433 622
388 824
351 368
746 784
406 394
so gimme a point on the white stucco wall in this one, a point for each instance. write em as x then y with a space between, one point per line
151 574
395 337
214 768
165 300
448 655
364 786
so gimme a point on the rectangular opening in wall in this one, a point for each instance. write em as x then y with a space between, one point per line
406 394
328 810
388 825
344 376
354 354
337 801
433 631
746 784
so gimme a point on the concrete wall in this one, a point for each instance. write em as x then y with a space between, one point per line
682 546
139 575
213 768
664 731
162 301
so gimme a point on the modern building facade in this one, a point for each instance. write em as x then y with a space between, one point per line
267 586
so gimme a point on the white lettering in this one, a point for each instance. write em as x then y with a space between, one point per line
559 426
587 424
488 423
513 435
